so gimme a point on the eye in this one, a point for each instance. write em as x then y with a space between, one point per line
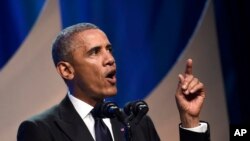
94 51
109 48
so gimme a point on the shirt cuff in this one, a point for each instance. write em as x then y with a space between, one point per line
202 128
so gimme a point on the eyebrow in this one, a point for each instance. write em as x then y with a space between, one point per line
93 48
98 47
109 45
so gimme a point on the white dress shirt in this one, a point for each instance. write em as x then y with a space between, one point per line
84 109
202 128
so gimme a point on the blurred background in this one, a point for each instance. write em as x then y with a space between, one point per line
152 39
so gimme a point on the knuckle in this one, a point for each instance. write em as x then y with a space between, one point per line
201 84
196 79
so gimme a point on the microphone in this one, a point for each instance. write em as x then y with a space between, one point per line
135 107
111 110
105 109
136 110
108 110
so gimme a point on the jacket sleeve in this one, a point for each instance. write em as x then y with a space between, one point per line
145 130
186 135
31 131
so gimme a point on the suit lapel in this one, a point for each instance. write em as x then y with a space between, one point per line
118 130
71 123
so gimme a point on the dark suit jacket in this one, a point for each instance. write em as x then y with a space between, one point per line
62 123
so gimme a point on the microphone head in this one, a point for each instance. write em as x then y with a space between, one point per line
135 107
105 110
128 108
109 109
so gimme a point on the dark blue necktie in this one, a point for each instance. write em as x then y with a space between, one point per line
102 132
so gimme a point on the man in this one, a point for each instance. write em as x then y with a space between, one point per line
83 57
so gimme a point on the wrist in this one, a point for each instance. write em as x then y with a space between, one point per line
188 121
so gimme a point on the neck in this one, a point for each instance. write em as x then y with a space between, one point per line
86 97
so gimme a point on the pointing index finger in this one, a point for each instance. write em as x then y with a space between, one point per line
189 67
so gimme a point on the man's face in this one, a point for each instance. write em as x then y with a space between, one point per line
94 65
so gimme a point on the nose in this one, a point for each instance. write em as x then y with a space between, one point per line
109 59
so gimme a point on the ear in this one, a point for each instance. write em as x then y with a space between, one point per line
65 69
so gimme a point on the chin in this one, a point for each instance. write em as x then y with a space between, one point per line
111 93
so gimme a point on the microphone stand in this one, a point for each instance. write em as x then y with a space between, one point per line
128 132
111 110
130 121
126 123
134 118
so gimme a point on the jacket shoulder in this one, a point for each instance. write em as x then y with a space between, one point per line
37 127
46 115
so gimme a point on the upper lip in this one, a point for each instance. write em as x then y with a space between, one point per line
110 73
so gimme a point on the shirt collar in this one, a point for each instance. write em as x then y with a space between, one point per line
82 108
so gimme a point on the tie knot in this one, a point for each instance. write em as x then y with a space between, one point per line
97 111
94 114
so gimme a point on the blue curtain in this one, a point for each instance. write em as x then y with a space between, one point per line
233 24
17 18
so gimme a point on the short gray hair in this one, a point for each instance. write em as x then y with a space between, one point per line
62 46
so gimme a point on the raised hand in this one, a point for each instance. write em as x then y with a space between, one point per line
189 96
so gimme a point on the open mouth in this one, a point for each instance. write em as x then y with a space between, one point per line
111 76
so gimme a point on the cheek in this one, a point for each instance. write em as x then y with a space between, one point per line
93 75
93 67
96 72
90 73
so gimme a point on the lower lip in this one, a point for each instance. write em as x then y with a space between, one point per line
112 80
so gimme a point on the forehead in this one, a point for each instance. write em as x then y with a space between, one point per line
85 40
92 37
